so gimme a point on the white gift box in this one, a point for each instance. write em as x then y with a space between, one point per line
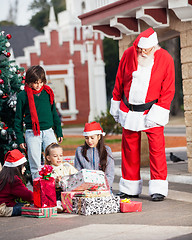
87 180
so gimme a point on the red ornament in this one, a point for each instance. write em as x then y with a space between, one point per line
23 81
7 54
23 77
0 71
4 96
8 36
1 81
4 126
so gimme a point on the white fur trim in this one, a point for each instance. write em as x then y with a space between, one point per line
140 84
15 164
158 115
134 121
114 109
91 133
149 42
130 187
158 186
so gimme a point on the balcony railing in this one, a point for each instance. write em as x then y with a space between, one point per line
101 3
94 4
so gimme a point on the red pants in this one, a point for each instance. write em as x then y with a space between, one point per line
131 146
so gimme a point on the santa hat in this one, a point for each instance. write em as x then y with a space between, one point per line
92 129
146 39
14 158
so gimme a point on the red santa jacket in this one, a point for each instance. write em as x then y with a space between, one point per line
141 85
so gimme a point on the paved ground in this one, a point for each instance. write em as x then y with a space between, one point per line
170 219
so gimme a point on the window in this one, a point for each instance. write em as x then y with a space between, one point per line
65 104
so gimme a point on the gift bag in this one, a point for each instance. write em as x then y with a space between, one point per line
44 189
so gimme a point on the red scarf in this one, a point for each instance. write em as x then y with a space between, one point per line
32 108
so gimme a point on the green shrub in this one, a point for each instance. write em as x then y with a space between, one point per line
108 123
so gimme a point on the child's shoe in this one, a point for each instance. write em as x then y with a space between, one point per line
59 207
5 211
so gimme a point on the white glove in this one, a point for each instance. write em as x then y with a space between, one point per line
116 117
150 124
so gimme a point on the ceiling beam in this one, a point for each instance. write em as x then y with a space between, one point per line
127 25
110 32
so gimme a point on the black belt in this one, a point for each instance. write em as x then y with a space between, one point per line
138 108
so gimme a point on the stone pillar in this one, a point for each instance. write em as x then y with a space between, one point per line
124 43
90 55
186 60
99 83
185 30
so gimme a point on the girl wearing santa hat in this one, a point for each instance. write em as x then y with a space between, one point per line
94 154
11 184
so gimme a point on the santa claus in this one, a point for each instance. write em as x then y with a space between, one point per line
143 91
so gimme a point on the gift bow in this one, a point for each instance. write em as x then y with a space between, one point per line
126 200
46 171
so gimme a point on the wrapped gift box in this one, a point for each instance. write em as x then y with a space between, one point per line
96 205
44 192
96 193
66 197
39 212
66 200
131 206
87 180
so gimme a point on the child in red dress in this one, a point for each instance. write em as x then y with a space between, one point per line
12 186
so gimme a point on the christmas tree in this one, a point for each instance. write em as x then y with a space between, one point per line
11 83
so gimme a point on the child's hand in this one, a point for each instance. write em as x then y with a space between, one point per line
22 146
58 179
27 205
60 139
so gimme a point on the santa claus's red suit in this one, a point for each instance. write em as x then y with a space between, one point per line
141 101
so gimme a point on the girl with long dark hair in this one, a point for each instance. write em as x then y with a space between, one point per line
12 185
94 154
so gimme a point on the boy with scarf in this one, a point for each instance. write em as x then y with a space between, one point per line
36 107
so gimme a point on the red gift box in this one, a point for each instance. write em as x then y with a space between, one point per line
130 206
44 192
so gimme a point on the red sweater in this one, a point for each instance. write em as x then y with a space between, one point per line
13 191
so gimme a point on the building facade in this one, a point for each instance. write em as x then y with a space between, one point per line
72 57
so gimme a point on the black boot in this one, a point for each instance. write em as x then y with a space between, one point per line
156 197
124 195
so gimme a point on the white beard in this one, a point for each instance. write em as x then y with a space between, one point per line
145 60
